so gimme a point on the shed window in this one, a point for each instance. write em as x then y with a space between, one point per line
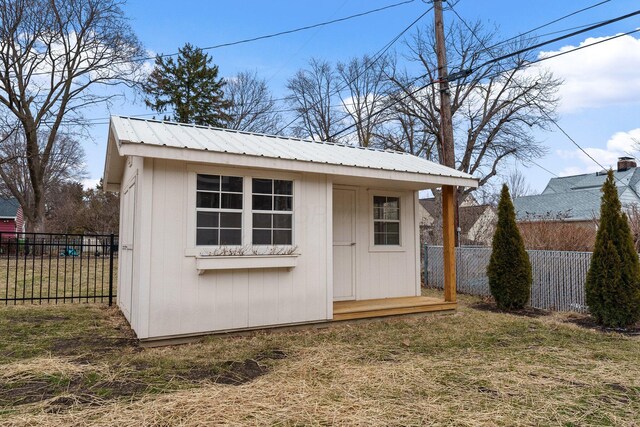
272 209
218 210
386 220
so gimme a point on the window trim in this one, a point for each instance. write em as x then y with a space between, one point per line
221 210
273 211
192 170
403 221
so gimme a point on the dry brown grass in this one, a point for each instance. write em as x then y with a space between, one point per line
471 368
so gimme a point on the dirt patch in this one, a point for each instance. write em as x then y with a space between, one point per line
588 322
75 391
525 312
93 345
271 354
24 392
234 372
39 318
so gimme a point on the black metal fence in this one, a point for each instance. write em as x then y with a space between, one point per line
57 268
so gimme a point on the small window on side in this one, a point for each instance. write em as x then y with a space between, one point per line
386 221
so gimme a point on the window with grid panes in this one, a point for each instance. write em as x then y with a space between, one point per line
272 211
218 210
386 220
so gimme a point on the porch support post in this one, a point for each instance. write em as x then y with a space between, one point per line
449 239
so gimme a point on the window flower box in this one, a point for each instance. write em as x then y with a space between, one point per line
240 262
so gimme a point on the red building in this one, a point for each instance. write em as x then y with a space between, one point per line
11 218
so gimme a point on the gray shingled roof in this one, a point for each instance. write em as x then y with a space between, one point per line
8 207
577 197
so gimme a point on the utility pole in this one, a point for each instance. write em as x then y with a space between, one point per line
446 124
447 153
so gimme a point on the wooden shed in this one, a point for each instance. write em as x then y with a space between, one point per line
223 230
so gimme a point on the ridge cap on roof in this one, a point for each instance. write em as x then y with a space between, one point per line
236 131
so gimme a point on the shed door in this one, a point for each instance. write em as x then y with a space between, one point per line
344 241
125 276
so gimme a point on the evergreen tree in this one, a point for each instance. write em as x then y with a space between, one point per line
509 269
190 86
613 280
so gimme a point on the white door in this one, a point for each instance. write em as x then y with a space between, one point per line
344 244
125 274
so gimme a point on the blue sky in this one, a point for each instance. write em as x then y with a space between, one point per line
601 95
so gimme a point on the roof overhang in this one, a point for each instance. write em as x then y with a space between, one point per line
118 149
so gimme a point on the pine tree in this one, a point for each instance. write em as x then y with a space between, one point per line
190 86
509 269
613 280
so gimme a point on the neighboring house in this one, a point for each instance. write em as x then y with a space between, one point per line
576 198
223 230
11 218
476 221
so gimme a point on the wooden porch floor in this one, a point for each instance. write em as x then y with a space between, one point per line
347 310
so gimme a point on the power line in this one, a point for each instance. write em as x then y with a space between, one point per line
376 57
545 25
547 115
503 70
556 39
543 168
544 58
308 27
264 37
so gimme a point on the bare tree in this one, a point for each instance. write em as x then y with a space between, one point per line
52 54
518 185
66 163
101 212
401 130
65 208
364 92
253 108
495 108
312 95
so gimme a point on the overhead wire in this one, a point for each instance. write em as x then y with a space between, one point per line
547 115
520 51
263 37
385 48
554 40
377 56
547 24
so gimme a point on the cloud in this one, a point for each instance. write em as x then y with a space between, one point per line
601 75
619 144
90 183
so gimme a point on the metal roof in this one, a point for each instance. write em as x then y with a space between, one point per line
190 137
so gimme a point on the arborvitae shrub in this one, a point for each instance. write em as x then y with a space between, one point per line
613 280
509 269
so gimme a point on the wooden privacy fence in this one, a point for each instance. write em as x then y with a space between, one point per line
558 276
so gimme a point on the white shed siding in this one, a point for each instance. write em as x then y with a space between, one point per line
133 170
385 272
183 302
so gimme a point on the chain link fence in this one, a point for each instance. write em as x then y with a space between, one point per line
558 276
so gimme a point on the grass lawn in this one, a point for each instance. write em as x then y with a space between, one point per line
80 278
77 365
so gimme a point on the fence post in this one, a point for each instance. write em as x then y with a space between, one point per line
426 266
111 243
